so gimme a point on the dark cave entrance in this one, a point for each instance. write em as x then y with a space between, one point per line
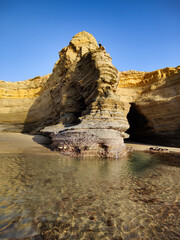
138 124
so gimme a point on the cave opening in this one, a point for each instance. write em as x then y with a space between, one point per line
138 124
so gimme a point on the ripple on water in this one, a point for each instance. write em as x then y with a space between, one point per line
58 197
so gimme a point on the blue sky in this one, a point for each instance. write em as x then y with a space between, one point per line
140 35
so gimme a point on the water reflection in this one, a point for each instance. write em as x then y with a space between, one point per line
58 197
140 162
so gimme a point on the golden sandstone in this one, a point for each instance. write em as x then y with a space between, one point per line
88 107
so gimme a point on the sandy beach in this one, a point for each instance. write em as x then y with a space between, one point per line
146 147
18 142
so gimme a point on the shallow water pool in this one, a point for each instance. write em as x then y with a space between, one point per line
58 197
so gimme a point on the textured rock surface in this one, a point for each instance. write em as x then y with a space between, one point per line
88 99
85 103
155 98
16 100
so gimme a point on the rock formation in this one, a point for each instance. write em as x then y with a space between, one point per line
16 100
154 115
87 105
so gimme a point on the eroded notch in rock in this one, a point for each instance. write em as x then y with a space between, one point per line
137 122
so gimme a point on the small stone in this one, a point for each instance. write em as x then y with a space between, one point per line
109 222
92 218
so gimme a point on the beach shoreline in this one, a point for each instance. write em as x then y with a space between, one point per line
133 146
20 142
23 143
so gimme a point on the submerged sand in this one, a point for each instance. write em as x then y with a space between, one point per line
18 142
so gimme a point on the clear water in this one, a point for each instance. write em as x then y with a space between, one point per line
56 197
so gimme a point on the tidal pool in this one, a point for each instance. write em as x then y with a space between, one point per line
57 197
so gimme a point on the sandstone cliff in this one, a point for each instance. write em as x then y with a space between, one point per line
155 105
16 100
87 105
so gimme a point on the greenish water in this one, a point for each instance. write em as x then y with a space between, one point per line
56 197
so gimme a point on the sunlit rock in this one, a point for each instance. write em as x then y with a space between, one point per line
87 106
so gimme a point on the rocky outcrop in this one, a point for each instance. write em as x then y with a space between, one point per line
155 105
87 105
16 100
91 120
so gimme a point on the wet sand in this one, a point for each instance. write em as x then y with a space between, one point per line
18 142
146 147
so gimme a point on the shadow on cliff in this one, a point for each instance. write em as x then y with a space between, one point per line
138 124
68 94
141 131
65 102
40 113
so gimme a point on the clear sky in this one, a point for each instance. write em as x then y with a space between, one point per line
141 35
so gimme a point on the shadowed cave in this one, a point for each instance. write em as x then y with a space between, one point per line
138 124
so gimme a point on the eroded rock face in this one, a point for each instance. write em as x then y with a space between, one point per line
92 120
85 102
156 97
16 101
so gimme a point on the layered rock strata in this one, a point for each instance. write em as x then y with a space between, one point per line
86 105
90 104
155 105
16 101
